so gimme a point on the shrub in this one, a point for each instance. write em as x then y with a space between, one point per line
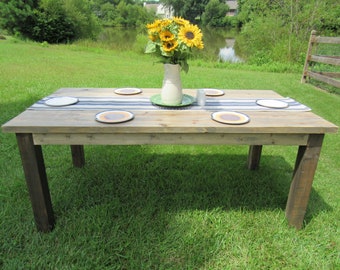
53 21
45 26
215 14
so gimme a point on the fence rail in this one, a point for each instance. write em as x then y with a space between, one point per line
326 77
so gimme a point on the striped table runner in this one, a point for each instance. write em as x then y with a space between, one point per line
143 103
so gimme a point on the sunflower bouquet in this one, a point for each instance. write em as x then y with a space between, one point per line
173 40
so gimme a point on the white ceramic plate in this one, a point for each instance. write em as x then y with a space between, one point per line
113 117
232 118
127 91
272 103
213 92
61 101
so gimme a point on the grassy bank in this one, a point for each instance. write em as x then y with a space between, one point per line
160 207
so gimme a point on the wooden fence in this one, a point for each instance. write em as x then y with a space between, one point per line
326 77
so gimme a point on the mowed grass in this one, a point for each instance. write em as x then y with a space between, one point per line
160 207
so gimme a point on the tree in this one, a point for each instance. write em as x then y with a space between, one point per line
49 20
176 5
49 23
81 15
107 14
14 13
191 10
215 14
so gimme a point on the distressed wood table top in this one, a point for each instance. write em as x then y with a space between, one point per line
157 120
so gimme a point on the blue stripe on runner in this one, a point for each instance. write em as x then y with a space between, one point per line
132 103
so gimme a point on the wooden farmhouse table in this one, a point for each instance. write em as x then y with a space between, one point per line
75 125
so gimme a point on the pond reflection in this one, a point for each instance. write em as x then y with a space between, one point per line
227 54
118 38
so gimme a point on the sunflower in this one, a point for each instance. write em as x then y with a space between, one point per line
165 23
180 21
169 46
155 25
191 35
153 36
200 45
166 35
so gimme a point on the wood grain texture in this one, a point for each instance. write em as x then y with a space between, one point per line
254 156
305 167
167 121
307 73
34 169
171 138
78 155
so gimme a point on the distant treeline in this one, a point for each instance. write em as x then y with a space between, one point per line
269 30
59 21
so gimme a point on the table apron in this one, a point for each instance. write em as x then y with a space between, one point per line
169 138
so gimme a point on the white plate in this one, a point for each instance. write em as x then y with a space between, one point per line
213 92
127 91
272 103
232 118
61 101
113 117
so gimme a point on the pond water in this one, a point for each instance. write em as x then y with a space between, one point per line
218 43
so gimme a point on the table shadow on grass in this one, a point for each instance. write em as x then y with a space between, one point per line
133 179
148 210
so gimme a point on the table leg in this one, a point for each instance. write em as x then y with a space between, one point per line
254 156
78 156
300 188
35 174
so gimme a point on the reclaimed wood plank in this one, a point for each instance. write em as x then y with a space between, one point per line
254 157
36 180
305 167
78 155
167 122
328 40
323 78
330 74
308 56
326 59
171 138
330 60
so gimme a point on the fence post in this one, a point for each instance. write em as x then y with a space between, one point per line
308 55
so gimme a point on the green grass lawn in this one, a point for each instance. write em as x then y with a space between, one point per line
160 207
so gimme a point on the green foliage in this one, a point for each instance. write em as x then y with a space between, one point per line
208 13
131 15
330 24
260 51
122 13
279 30
49 20
107 13
214 14
86 24
50 24
191 10
14 13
